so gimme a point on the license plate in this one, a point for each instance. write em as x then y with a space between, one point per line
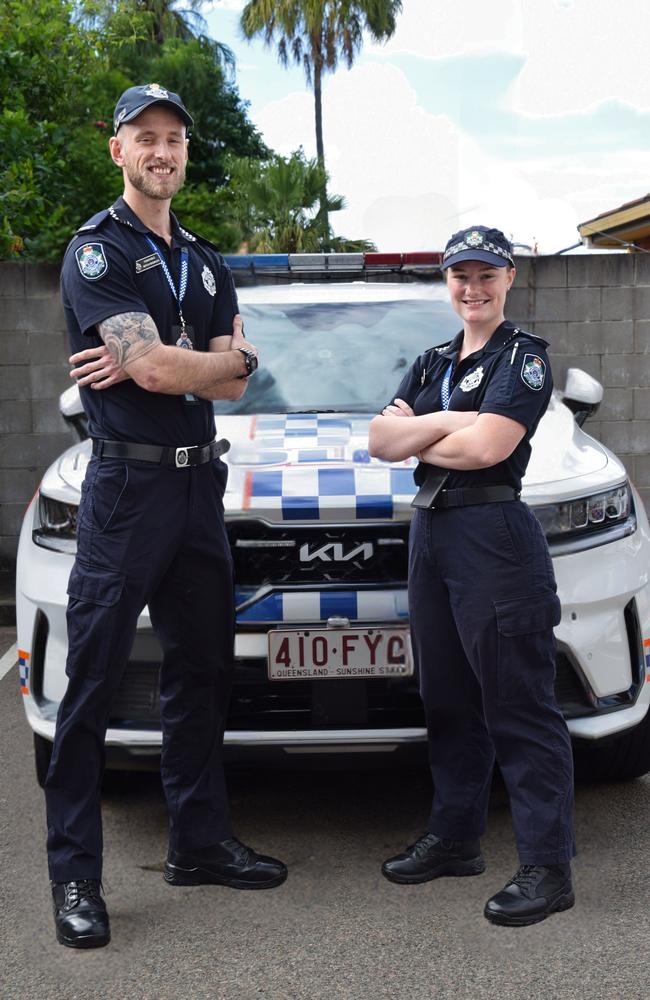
340 653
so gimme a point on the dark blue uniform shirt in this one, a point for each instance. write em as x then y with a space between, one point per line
510 376
110 268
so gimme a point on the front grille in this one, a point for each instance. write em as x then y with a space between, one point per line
265 554
258 704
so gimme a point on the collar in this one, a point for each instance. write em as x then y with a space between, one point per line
121 212
450 351
501 336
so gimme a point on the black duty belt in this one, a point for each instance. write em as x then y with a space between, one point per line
195 454
467 496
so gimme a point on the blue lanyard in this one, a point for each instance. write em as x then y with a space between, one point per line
182 286
444 388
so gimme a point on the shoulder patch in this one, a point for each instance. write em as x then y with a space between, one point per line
533 372
91 260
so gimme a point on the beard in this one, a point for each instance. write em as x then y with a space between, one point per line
158 186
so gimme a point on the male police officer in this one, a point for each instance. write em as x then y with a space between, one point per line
150 308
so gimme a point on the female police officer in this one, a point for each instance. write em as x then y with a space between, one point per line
482 593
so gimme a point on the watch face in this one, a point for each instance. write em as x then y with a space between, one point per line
251 360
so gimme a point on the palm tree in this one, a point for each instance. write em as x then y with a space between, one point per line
274 202
315 34
153 22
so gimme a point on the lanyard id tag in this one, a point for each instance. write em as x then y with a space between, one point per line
183 336
431 487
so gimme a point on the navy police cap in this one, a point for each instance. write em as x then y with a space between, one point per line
135 100
478 243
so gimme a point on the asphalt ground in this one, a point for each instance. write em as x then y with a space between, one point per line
336 928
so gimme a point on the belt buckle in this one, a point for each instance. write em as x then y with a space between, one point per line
182 458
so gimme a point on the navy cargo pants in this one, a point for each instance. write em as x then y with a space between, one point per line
483 603
146 534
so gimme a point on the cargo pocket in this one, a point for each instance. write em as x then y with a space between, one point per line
95 586
526 647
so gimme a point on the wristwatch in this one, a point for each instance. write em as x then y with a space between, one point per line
250 357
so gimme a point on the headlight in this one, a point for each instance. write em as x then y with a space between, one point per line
57 525
587 517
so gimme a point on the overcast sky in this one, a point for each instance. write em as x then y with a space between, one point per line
529 115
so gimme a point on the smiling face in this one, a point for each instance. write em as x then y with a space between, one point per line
478 291
152 150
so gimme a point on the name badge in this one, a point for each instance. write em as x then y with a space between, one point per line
145 263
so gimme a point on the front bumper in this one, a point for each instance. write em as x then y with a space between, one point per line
603 662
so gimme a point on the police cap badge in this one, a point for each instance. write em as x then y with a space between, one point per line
478 243
135 100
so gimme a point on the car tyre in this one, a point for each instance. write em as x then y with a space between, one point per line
42 758
621 758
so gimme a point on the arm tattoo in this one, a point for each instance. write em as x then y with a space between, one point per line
129 336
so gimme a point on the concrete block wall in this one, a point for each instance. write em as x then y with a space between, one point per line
594 310
33 372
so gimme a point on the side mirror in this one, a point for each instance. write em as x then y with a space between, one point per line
73 412
582 393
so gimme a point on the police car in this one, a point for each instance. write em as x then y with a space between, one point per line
319 533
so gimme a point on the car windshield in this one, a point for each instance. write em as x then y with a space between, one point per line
347 354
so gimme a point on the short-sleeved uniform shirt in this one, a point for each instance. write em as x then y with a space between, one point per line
510 376
110 268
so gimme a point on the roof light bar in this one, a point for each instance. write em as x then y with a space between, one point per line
328 262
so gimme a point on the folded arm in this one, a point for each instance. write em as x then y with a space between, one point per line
489 440
133 349
394 438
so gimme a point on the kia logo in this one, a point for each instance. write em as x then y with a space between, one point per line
334 552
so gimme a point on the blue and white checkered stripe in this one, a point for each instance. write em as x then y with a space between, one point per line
317 494
307 606
299 430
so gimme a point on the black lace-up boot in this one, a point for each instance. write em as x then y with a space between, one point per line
228 863
430 857
80 914
531 895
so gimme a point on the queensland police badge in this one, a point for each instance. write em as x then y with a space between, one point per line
92 261
533 371
472 380
208 280
473 239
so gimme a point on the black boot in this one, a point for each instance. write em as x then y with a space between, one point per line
531 895
227 863
80 914
430 856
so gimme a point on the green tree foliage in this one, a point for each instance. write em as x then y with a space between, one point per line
55 170
275 204
63 64
44 119
316 34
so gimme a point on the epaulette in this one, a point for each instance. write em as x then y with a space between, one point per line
442 347
93 223
529 336
91 226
